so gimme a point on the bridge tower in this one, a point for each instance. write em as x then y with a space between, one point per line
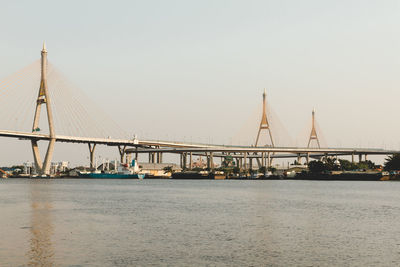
43 99
313 134
264 124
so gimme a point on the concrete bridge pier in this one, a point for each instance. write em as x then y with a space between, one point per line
190 161
91 153
212 161
182 161
245 161
308 158
299 159
262 159
36 156
121 150
152 156
159 157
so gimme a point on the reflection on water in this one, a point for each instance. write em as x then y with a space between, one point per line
74 222
41 248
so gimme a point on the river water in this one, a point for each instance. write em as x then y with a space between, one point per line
71 222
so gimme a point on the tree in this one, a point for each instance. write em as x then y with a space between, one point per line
392 163
370 164
315 166
227 162
363 165
346 165
331 164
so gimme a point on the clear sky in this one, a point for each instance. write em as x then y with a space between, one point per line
196 70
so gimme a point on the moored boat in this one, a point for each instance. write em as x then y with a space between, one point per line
112 175
121 171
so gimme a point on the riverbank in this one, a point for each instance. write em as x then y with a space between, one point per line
338 176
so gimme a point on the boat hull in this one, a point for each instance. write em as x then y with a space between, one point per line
112 176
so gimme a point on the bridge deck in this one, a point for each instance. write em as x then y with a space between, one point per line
177 147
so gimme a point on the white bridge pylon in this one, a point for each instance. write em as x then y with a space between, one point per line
43 98
313 134
264 124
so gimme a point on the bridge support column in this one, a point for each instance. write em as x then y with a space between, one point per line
359 157
190 161
121 150
269 159
262 159
185 160
352 158
212 161
36 157
245 161
366 157
308 158
91 154
299 159
48 157
152 157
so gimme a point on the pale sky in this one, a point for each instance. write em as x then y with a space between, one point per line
196 70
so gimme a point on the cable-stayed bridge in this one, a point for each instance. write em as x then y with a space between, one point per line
72 119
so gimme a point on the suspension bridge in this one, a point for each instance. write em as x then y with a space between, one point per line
70 121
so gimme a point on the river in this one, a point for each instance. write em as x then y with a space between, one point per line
76 222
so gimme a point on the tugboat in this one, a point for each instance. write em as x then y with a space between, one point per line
122 171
